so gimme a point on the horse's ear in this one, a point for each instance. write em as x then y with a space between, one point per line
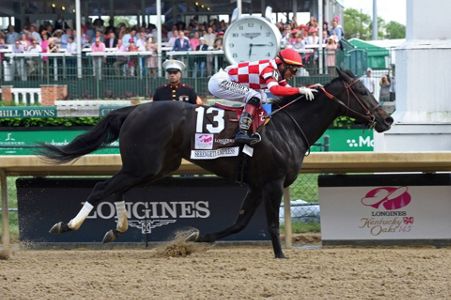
342 74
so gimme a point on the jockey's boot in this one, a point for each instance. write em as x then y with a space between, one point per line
242 136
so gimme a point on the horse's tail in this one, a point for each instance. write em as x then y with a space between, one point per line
104 133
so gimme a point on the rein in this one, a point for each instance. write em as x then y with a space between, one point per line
369 116
282 109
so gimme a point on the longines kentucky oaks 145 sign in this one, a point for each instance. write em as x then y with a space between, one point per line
385 208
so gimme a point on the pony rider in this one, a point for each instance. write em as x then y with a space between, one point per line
246 81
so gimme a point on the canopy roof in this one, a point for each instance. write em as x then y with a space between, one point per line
378 57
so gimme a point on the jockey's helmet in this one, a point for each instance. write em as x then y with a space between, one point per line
290 57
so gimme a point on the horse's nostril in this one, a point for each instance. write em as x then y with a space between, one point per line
389 120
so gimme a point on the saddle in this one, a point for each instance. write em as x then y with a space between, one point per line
215 129
259 118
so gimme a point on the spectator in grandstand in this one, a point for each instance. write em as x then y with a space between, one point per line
11 36
384 92
129 35
151 60
71 46
133 60
121 61
175 90
210 37
111 40
368 81
313 23
53 46
64 38
286 35
181 43
2 46
194 40
325 31
141 40
71 60
45 45
32 62
97 61
392 84
34 35
110 28
201 62
336 29
298 43
24 42
312 38
331 50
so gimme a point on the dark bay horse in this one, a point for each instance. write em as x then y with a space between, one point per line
155 137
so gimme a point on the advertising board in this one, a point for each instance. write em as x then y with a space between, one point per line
156 212
21 141
395 207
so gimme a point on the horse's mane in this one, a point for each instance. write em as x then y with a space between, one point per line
284 100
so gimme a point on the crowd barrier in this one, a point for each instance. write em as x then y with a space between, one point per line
322 162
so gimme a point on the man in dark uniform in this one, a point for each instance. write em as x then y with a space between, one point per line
176 90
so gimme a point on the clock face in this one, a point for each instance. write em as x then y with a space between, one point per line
251 38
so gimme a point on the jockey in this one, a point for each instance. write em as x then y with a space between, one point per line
246 81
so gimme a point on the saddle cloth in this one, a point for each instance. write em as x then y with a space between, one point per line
216 127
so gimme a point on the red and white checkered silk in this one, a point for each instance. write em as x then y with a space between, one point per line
258 75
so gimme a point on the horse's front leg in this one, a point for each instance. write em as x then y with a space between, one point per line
247 210
272 193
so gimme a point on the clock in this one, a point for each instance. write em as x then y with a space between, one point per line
251 38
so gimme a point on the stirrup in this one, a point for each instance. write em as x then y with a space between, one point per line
245 138
258 136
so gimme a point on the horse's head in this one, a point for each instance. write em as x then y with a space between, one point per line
357 102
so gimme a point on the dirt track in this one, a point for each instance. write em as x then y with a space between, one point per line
225 272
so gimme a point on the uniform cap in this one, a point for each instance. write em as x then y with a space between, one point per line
172 64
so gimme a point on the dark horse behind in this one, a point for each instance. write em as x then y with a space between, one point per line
155 137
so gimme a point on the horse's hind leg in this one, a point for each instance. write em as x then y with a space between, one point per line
247 210
117 185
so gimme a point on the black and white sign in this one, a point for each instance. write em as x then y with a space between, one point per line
155 212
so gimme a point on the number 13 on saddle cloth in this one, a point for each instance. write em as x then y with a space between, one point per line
215 130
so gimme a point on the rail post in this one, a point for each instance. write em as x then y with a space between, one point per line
5 215
287 217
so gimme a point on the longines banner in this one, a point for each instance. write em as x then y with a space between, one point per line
385 208
155 212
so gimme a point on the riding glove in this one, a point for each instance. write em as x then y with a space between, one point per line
308 92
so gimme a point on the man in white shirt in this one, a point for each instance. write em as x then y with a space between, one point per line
368 81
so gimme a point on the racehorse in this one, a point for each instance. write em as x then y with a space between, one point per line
155 137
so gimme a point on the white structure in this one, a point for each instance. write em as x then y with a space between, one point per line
423 82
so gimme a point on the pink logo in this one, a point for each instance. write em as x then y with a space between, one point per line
408 220
389 197
206 138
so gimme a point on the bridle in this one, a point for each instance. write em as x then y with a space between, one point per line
368 114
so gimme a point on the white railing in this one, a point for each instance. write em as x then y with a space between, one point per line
28 96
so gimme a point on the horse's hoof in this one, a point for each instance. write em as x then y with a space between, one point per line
59 228
110 236
192 236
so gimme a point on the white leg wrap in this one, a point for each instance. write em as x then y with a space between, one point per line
76 222
122 219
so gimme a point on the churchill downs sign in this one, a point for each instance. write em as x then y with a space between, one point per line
155 213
